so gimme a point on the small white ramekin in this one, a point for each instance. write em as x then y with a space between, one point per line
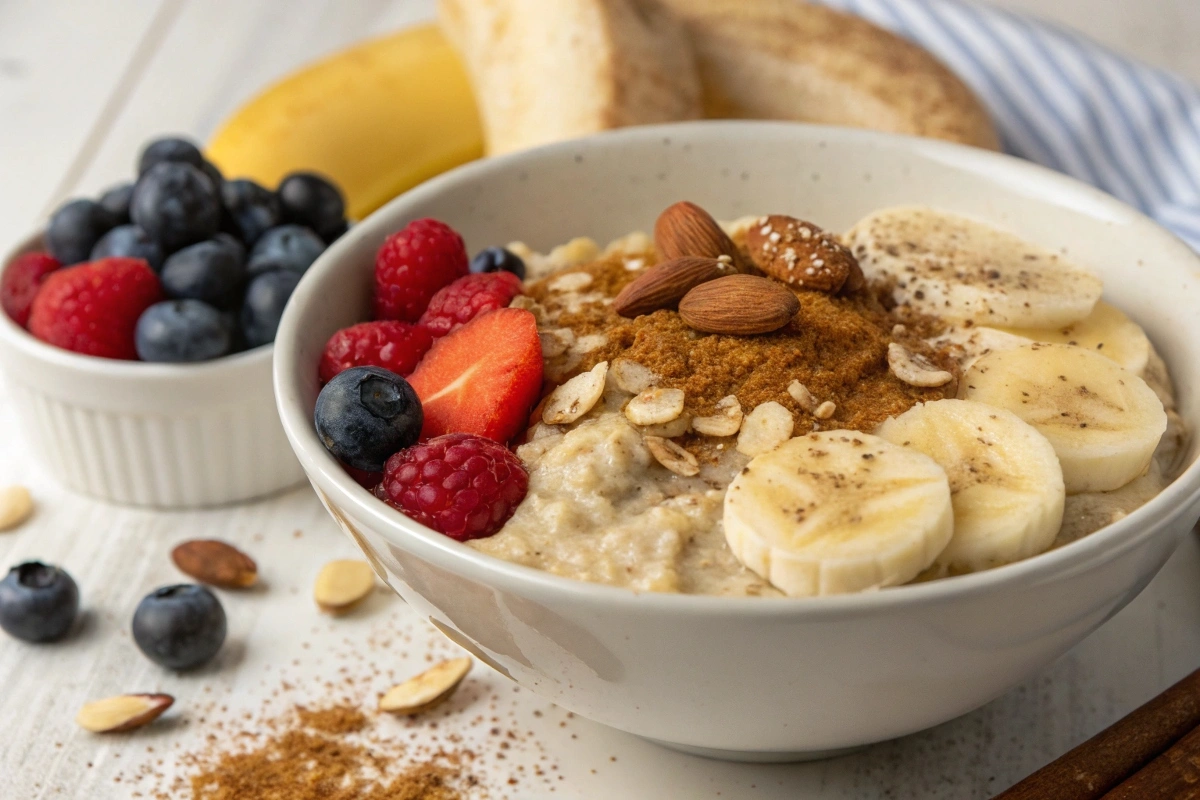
159 435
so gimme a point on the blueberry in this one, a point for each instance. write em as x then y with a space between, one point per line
337 233
251 209
170 148
181 331
214 174
212 271
176 204
313 201
265 298
38 602
179 627
367 414
290 247
116 202
74 230
498 259
129 241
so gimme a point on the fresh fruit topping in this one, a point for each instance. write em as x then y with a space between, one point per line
686 229
16 506
250 209
836 512
75 228
739 305
310 200
395 346
177 204
365 414
1103 421
169 148
800 254
116 200
123 712
290 247
341 585
1107 330
471 295
498 259
423 692
180 627
665 284
212 271
576 397
22 279
364 478
461 485
129 241
1006 484
482 378
38 602
94 308
265 299
182 331
413 264
216 563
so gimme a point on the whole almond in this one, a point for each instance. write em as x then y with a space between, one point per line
431 688
665 284
686 229
123 712
800 254
739 305
216 563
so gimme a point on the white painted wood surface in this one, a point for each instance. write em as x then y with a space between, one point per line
82 84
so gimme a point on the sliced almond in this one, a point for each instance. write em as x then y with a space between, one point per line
632 376
343 584
739 305
915 369
686 229
669 430
799 253
571 282
556 342
216 563
576 397
655 406
803 397
725 422
665 284
431 688
16 506
123 712
524 301
765 428
588 343
672 456
825 410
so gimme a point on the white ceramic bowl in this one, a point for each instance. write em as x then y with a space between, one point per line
161 435
754 678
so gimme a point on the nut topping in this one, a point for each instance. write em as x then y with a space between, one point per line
570 282
803 397
216 563
123 712
576 397
825 410
725 422
765 428
655 407
672 456
431 688
686 229
665 284
915 369
739 305
632 377
800 254
343 584
16 505
556 342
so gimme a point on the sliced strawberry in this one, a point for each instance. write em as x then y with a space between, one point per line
482 378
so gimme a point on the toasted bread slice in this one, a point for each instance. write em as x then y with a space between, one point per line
546 71
788 59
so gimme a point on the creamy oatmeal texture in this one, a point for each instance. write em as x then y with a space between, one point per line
607 503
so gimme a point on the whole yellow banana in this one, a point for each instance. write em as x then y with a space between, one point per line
378 119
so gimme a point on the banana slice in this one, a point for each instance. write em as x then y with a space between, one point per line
1005 481
838 511
1103 421
959 268
968 343
1106 330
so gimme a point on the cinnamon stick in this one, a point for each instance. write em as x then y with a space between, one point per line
1174 774
1117 752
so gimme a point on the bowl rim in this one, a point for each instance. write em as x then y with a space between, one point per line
1085 553
18 339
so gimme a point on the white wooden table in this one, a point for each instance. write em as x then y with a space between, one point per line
82 84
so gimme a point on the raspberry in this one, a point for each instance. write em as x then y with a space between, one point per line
94 308
413 264
468 297
21 281
395 346
459 484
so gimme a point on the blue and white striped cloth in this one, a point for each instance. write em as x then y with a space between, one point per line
1067 102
